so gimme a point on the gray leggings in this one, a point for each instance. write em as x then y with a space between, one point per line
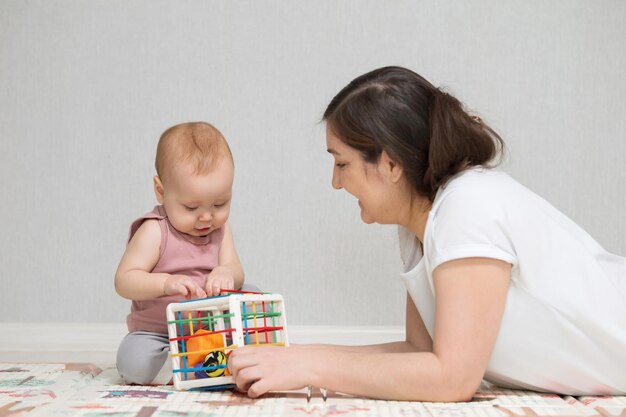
143 357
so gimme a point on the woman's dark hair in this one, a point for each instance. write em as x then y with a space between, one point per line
422 128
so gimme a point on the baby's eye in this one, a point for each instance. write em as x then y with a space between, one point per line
220 205
188 208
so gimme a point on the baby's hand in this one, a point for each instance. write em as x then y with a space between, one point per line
219 279
181 284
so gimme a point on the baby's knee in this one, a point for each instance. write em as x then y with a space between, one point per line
136 371
138 363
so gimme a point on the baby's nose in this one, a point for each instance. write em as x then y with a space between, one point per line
206 216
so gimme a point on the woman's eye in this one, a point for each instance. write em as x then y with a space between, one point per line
340 165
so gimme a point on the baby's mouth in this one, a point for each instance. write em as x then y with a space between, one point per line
203 230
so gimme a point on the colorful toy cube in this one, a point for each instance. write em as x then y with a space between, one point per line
203 332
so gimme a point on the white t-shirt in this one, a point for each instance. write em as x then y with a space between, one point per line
564 324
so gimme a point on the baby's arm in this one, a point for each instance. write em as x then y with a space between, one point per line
133 279
229 272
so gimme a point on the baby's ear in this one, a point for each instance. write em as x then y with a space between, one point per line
158 189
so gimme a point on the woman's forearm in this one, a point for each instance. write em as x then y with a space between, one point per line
401 375
391 347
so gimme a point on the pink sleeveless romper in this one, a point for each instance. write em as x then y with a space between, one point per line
179 254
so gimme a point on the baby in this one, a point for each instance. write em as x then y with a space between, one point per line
182 249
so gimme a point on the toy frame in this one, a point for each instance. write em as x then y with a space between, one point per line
242 319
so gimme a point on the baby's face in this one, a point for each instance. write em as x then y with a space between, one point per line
197 204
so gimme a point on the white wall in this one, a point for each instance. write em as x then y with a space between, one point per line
86 88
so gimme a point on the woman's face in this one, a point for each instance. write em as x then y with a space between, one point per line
363 180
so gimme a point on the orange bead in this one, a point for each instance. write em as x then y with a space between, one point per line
200 346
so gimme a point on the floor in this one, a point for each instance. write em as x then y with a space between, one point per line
80 389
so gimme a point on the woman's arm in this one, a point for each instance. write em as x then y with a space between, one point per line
470 296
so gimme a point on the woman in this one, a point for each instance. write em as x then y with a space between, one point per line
500 284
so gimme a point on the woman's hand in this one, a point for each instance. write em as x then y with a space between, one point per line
261 369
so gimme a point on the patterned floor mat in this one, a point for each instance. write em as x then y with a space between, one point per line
54 390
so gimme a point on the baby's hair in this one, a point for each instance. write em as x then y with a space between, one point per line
199 144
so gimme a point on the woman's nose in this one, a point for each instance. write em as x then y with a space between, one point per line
335 182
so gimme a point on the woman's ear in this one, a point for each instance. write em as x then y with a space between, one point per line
390 168
158 189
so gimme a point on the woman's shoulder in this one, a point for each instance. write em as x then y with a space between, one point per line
479 187
471 217
478 201
479 178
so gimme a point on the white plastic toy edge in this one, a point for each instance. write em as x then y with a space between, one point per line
233 301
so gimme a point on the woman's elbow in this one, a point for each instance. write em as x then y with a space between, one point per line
462 389
452 394
457 384
462 394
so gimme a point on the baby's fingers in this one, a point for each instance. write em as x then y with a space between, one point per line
182 290
212 288
196 291
200 292
192 290
216 286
